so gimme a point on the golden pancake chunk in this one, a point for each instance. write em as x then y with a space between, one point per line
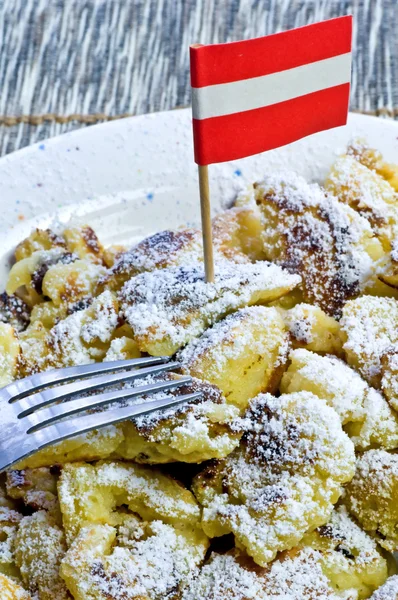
336 560
294 575
83 242
64 268
311 328
243 355
131 528
40 547
389 381
93 445
388 270
168 308
190 433
236 237
307 231
10 590
90 494
37 488
122 348
366 192
82 337
158 251
283 479
364 412
26 276
9 354
237 231
137 560
371 497
373 159
39 239
112 254
9 521
369 329
46 315
5 500
68 283
193 432
348 556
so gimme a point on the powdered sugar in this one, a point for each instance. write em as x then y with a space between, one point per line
309 232
104 320
228 339
352 538
235 577
376 466
370 325
330 378
14 311
363 189
65 339
177 304
368 418
151 567
40 547
160 250
284 477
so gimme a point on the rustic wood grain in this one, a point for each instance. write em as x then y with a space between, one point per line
112 57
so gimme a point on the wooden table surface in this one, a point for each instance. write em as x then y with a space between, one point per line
67 63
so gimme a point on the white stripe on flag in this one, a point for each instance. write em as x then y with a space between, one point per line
257 92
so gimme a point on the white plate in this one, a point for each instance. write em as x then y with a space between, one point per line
132 177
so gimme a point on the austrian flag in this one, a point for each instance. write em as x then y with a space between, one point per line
259 94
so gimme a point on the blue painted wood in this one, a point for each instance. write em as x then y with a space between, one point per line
131 56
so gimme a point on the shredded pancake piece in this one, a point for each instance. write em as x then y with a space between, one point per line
134 532
369 328
311 328
366 192
295 575
193 432
283 479
309 232
251 345
169 307
40 547
364 412
349 557
371 496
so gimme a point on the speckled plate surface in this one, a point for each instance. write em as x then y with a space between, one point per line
135 176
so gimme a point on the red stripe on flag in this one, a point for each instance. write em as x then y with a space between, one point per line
224 63
229 137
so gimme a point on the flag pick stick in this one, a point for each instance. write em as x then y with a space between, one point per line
207 233
263 93
204 190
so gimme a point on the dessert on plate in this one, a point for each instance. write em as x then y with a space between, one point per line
280 481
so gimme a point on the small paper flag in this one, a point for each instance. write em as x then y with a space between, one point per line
255 95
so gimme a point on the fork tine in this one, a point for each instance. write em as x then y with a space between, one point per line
37 401
51 414
29 385
84 423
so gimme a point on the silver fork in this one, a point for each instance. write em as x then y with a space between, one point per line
33 416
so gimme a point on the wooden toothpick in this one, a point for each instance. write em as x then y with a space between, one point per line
206 222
